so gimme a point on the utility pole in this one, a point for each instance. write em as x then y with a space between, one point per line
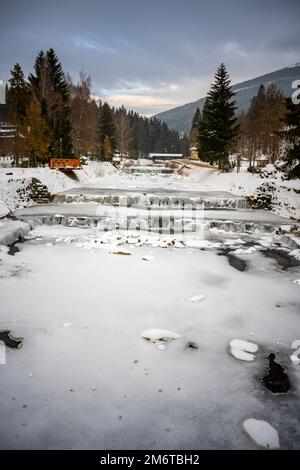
60 145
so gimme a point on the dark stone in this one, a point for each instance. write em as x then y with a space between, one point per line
9 340
283 259
237 263
13 249
276 379
192 345
234 261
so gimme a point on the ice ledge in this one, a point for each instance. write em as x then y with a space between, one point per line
12 230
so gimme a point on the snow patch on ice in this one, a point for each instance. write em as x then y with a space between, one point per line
295 253
67 325
196 298
156 334
262 433
247 251
295 357
242 349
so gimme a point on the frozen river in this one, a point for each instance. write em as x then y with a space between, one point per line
86 379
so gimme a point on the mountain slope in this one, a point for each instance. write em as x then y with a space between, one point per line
180 118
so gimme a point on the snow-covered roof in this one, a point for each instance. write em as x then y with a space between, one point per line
165 155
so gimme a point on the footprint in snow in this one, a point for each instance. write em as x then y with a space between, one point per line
243 350
262 433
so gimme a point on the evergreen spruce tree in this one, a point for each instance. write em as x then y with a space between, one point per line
194 129
292 136
205 152
17 99
18 96
106 127
51 89
218 129
196 119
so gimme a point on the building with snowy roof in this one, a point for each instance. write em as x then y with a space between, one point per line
165 156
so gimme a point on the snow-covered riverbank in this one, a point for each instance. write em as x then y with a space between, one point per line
103 175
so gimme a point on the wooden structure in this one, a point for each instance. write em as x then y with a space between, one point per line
65 164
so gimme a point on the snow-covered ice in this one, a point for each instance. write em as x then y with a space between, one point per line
113 299
81 311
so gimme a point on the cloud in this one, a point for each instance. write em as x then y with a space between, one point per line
83 43
151 98
235 49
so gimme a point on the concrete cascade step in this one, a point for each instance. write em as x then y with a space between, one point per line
156 224
153 200
148 170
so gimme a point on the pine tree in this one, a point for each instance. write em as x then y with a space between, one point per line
194 129
18 96
106 127
205 151
292 136
196 119
218 129
51 89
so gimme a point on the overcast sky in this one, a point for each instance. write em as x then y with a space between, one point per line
152 55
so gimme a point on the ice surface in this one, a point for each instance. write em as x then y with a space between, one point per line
243 350
111 300
262 433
